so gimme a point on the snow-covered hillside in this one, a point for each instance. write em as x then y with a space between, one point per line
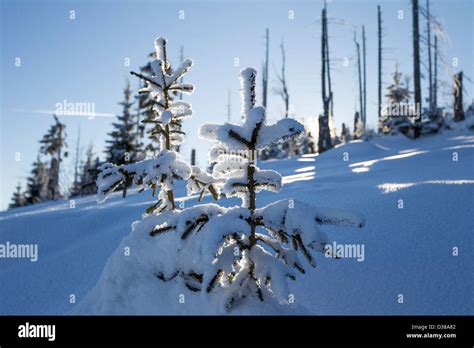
407 251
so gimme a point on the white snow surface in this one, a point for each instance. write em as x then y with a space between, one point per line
408 251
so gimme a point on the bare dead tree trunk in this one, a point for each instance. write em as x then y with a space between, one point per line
282 91
328 72
379 34
265 68
364 78
324 139
416 70
343 133
435 80
458 107
361 102
193 157
323 61
430 76
356 125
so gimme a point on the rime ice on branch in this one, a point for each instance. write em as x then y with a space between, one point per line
159 172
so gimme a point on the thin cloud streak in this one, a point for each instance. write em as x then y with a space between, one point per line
53 112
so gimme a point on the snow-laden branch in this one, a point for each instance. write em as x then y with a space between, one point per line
294 218
147 174
201 182
240 137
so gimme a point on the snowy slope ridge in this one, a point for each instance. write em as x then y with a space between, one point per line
408 251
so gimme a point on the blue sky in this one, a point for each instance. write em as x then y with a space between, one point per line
82 60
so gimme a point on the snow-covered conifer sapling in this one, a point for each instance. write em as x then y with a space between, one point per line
229 255
158 172
252 251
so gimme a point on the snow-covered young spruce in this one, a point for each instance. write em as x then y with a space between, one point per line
207 259
250 251
159 172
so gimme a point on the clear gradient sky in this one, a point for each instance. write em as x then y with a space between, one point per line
82 60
